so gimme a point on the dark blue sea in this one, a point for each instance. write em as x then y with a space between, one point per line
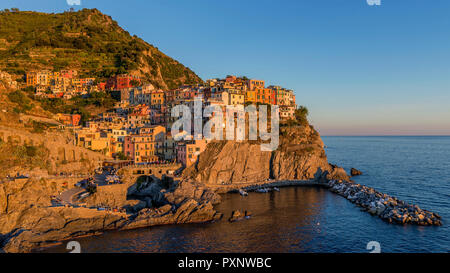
308 219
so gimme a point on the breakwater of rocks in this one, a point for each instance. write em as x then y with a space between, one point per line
283 183
384 206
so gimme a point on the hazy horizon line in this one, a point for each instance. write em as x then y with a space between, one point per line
385 135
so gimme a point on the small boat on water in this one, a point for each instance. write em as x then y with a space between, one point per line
242 192
276 189
262 190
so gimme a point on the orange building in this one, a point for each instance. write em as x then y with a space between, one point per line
38 78
31 78
250 96
157 97
188 152
255 84
230 78
71 120
264 95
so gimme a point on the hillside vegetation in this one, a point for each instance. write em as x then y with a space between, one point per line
86 40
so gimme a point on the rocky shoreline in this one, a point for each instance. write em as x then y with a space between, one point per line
26 228
388 208
30 221
384 206
188 202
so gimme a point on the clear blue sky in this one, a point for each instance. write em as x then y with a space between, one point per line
360 69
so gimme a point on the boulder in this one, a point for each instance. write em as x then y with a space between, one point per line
355 172
238 215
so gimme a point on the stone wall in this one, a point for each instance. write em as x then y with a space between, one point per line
109 195
64 156
24 193
151 170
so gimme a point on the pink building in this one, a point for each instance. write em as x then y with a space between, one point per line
188 152
181 153
128 147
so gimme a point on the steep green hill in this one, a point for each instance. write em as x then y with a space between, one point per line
86 40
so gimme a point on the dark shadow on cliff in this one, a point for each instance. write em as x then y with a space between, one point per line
149 190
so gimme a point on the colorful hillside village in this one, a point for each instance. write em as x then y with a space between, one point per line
138 129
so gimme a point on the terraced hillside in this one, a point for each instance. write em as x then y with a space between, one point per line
86 40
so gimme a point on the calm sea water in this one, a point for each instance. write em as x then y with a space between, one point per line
307 219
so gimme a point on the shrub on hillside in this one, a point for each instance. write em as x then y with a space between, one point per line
23 102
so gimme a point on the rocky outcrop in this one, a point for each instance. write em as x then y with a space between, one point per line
22 194
191 190
61 154
189 211
355 172
19 195
238 215
384 206
300 156
114 195
34 227
29 221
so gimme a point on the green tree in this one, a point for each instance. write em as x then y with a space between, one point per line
301 115
121 156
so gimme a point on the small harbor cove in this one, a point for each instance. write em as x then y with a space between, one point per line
311 218
296 219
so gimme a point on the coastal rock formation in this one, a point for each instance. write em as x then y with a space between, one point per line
384 206
21 194
34 227
355 172
35 223
300 156
189 211
58 152
191 190
238 215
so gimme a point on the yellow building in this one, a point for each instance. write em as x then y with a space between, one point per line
76 82
144 146
157 98
85 137
237 98
31 78
100 144
250 96
144 149
38 78
231 97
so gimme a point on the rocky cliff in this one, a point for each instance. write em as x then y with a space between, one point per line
300 156
30 221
